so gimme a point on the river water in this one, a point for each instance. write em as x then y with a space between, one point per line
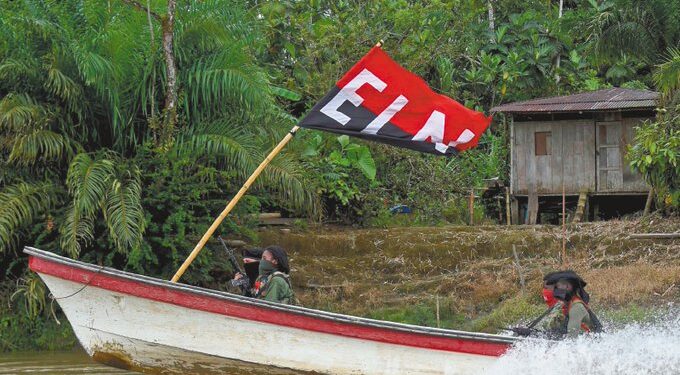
652 348
53 363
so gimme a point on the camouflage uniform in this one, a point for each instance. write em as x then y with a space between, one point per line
576 321
274 287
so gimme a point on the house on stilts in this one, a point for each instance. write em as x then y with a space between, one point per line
576 144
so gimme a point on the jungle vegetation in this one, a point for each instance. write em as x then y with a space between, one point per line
125 125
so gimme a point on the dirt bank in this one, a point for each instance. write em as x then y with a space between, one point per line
402 274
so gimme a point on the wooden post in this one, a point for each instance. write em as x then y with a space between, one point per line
507 207
438 325
472 206
232 203
564 224
500 210
648 204
519 269
514 211
532 206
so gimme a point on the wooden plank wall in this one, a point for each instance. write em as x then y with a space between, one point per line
571 159
632 181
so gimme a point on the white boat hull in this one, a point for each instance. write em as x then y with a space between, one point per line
143 334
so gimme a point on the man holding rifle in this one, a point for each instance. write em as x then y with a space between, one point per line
568 313
273 280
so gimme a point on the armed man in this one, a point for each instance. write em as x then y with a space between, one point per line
568 313
272 280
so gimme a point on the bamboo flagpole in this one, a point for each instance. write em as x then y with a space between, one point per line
236 198
232 203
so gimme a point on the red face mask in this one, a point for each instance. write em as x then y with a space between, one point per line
549 298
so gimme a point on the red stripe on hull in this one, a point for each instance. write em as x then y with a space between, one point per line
263 314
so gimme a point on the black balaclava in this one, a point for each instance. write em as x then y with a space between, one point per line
563 294
573 278
281 257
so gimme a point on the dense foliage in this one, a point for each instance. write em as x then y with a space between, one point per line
91 166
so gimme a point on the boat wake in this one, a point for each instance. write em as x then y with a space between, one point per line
652 348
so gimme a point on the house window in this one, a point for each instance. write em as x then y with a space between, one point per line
542 143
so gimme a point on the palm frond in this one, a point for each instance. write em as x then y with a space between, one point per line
124 212
77 229
230 144
32 291
20 205
241 151
13 68
64 87
667 74
286 177
19 112
88 181
228 76
203 27
40 145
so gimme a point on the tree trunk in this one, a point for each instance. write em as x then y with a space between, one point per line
170 109
492 21
559 56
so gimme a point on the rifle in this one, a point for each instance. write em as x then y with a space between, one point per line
244 282
530 330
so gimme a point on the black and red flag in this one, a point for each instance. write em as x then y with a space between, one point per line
380 101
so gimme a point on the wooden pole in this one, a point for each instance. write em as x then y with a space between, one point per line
472 206
232 203
564 224
507 207
519 269
438 325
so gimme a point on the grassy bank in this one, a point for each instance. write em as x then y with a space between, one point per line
402 274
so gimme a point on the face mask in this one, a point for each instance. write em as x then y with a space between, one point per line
549 298
563 294
266 267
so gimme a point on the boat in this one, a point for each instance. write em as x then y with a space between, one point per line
150 325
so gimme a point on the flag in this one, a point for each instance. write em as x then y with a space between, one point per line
378 100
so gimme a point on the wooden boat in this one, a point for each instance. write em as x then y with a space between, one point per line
151 325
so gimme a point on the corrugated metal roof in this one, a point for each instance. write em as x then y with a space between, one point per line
607 99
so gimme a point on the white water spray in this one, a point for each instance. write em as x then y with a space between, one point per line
652 348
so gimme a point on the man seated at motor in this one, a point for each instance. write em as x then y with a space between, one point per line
272 283
568 311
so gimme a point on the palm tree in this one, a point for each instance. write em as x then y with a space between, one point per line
667 74
643 29
79 97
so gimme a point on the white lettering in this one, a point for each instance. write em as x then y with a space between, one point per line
349 93
385 115
433 131
464 137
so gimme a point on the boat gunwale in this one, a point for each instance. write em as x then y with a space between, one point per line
313 313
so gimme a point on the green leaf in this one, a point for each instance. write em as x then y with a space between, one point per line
343 140
286 94
364 161
290 48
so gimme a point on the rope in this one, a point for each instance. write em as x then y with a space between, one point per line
533 324
81 289
53 298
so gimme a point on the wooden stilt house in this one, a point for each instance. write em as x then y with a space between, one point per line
576 144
